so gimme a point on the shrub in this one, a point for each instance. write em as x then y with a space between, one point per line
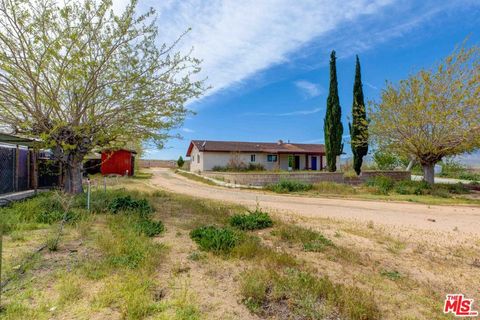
128 204
255 167
217 240
251 221
285 186
180 162
333 188
383 184
149 228
412 187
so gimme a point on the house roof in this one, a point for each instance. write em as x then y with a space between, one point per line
262 147
11 139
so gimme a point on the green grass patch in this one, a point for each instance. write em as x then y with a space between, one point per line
309 239
285 186
251 221
124 247
127 203
327 187
217 240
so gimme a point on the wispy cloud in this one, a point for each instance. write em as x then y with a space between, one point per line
188 130
310 89
238 39
370 85
284 114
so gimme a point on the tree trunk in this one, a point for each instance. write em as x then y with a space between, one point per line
73 177
429 172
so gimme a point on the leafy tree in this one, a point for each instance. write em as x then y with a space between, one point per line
333 128
386 160
79 76
359 125
180 162
433 114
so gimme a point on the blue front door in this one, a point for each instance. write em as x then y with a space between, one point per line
314 163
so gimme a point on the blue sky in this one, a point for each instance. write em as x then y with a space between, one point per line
267 61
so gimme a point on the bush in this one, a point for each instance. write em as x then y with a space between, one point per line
333 188
254 220
149 228
126 203
285 186
217 240
386 160
412 187
383 184
180 162
240 168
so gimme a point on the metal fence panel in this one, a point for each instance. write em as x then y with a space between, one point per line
7 170
23 170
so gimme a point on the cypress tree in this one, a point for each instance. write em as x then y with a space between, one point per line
333 128
359 125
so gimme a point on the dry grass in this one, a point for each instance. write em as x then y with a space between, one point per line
104 270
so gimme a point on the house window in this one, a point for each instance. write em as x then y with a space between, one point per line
252 158
272 158
198 158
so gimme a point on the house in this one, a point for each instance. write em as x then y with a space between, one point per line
205 155
120 162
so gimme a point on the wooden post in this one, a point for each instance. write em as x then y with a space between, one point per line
35 171
29 184
307 166
17 165
321 162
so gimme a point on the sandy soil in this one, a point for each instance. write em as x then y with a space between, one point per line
464 221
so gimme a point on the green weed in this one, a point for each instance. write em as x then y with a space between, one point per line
251 221
217 240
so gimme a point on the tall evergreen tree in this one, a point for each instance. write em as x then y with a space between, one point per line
359 125
333 127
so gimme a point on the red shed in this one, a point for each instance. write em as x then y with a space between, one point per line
120 162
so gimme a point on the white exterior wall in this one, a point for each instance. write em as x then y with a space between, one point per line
205 161
196 160
212 159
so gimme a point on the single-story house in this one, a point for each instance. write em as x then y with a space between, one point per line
205 155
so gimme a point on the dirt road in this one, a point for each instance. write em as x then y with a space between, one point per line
463 219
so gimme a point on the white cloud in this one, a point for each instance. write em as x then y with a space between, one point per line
188 130
310 89
285 114
237 39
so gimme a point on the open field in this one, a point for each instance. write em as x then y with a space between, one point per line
303 267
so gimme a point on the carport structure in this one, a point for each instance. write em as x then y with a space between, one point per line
18 164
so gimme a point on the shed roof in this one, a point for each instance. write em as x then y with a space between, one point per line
11 139
261 147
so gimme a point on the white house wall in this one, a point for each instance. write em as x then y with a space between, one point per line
206 161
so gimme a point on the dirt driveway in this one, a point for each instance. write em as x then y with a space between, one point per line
463 220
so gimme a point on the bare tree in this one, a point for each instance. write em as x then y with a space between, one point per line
81 77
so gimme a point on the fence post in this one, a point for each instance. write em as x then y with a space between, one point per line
104 184
17 165
88 194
